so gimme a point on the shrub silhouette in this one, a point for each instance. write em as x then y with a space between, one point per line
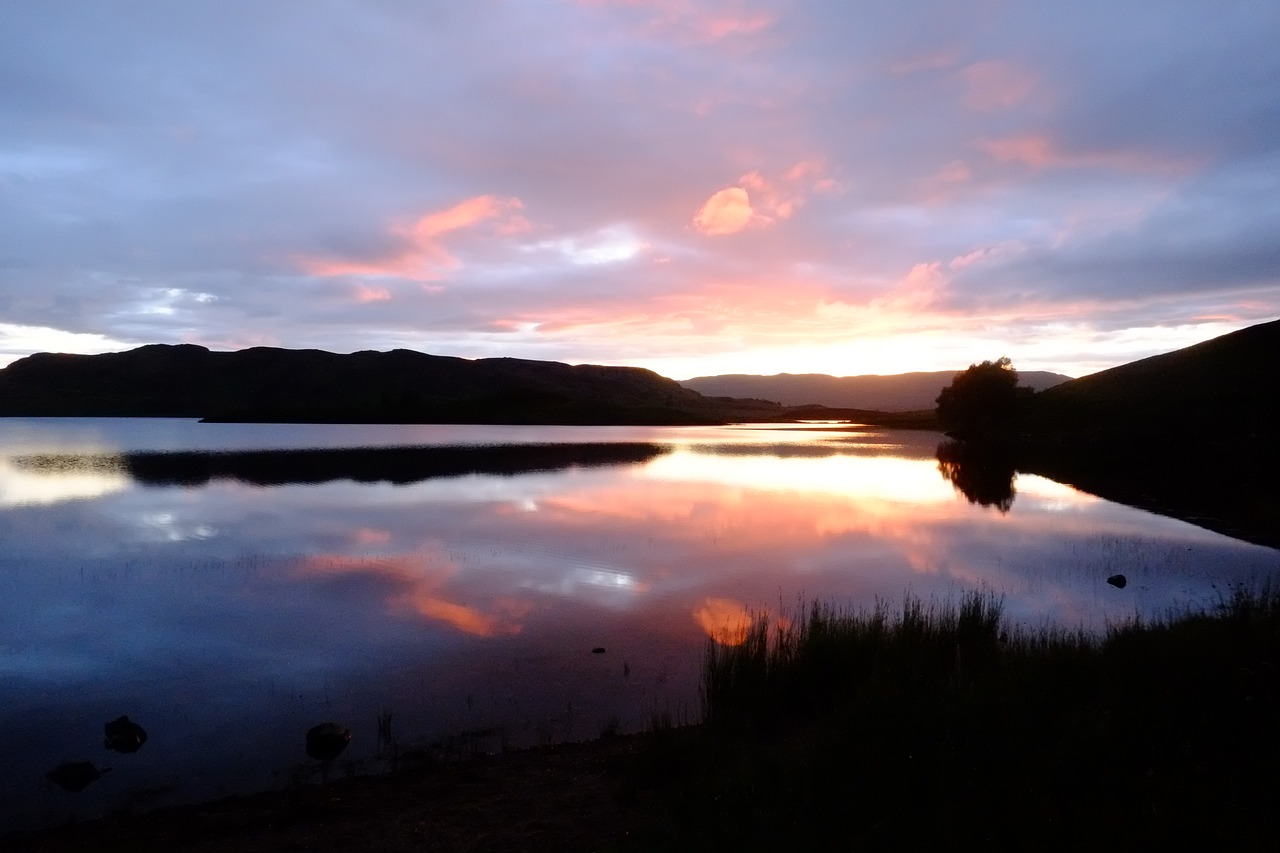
983 402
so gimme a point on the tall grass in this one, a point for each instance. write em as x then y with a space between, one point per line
785 670
944 725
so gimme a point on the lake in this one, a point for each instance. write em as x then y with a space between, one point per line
228 586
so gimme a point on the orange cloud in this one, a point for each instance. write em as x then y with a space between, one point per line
760 200
462 215
419 578
726 212
468 619
422 256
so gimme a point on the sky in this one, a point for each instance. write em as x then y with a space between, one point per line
731 186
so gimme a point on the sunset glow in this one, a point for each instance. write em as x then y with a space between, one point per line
748 186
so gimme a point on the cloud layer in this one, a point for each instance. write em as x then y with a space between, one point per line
735 186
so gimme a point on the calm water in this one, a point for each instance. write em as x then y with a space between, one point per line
229 602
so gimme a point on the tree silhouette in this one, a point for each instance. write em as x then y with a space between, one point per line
983 402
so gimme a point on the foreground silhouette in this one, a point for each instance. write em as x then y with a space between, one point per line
124 735
75 776
327 741
928 727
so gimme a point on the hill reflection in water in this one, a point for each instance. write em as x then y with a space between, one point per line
362 465
217 595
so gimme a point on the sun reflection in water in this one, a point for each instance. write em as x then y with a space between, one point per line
41 480
726 621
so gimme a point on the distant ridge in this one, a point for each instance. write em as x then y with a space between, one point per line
901 392
281 385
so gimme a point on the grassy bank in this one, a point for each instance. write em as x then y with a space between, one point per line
905 727
942 726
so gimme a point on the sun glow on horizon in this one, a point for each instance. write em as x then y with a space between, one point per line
1071 349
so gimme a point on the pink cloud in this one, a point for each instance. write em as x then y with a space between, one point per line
934 61
942 186
997 251
760 200
691 22
715 28
996 85
1039 152
919 289
955 172
371 294
422 256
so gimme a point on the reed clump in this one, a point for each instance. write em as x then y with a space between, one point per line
944 724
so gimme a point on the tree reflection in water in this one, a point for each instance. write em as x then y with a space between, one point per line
982 472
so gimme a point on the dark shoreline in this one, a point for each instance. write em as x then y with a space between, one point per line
883 729
567 797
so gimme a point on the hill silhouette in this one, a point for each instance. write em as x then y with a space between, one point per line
1221 391
901 392
1189 433
280 385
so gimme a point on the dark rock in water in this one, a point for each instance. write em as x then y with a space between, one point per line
75 776
124 735
1118 581
326 741
598 650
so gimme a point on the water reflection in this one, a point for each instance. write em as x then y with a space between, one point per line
362 465
222 595
22 483
983 473
726 621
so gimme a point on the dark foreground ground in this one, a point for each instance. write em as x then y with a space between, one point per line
930 727
563 798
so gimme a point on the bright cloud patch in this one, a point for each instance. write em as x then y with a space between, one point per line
726 212
606 246
17 340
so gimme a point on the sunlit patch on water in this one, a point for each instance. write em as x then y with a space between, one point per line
50 479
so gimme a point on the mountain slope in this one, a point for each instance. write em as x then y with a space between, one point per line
902 392
1190 434
1225 387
